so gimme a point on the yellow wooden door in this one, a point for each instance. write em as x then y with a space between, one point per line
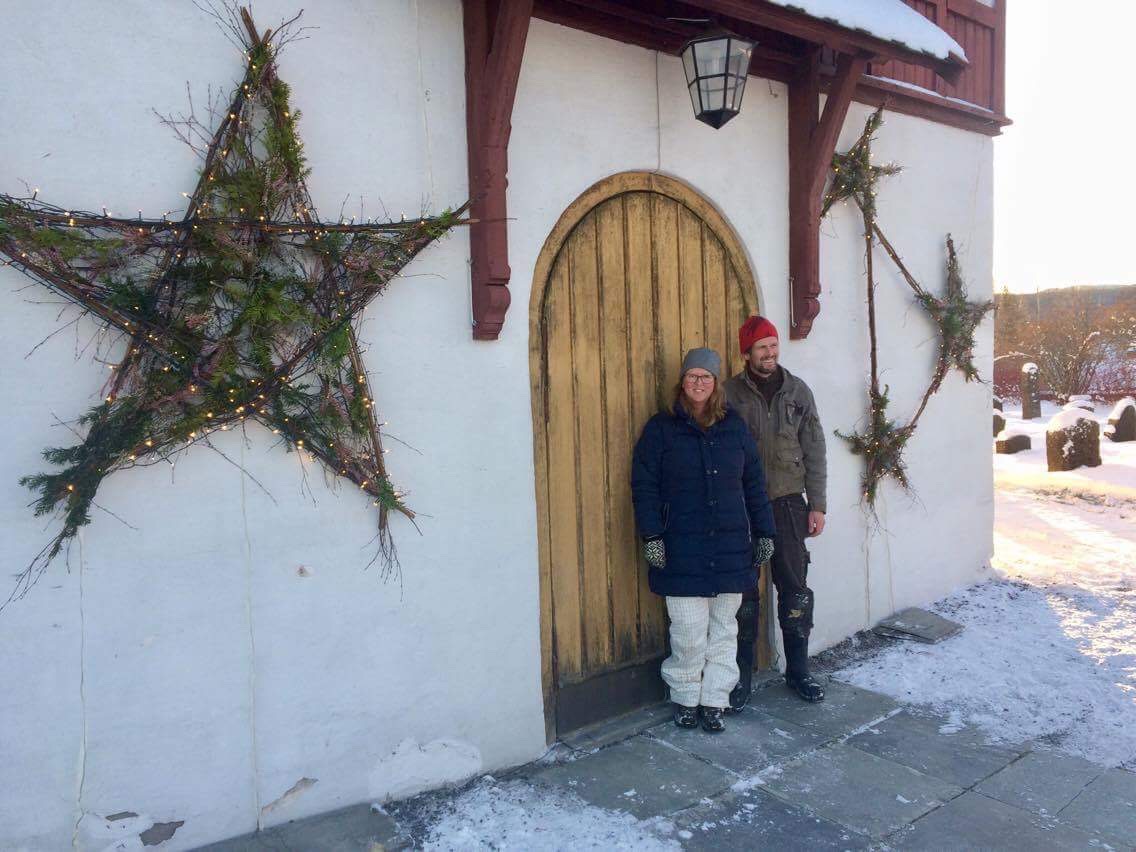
639 269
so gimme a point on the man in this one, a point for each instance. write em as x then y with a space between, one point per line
779 409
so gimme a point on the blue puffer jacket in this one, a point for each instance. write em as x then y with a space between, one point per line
704 493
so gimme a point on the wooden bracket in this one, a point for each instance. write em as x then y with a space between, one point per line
495 33
812 143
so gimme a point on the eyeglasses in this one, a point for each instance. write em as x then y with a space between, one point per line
694 379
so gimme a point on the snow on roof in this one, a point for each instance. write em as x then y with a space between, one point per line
890 20
1067 418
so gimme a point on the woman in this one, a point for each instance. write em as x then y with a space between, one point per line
706 524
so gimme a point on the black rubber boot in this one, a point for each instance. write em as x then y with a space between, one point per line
797 676
685 717
712 719
747 647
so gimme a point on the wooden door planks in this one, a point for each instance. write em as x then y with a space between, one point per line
619 429
591 458
644 381
563 536
629 281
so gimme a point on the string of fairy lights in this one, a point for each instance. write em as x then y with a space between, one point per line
882 441
241 310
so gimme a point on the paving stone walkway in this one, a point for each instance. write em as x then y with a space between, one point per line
857 771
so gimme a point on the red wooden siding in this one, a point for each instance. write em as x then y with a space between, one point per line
980 29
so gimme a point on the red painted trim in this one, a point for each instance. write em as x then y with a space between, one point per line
495 33
901 99
988 16
812 143
998 60
495 36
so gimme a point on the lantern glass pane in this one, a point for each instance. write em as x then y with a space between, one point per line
688 64
710 56
739 84
713 92
694 102
739 57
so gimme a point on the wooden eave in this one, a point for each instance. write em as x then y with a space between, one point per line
812 56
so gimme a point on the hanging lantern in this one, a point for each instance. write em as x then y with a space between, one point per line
716 66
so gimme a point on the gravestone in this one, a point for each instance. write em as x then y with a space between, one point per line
999 422
1081 403
998 404
1122 422
1016 442
1071 441
1031 403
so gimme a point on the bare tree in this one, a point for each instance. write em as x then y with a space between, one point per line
1070 335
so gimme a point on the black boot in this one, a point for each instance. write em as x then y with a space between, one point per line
797 676
747 638
712 721
685 717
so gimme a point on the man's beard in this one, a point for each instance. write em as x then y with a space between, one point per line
760 369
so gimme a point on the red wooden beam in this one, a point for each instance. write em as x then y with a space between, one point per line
812 142
495 34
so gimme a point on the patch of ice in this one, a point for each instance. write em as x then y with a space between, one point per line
954 723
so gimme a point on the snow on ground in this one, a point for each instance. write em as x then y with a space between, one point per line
518 815
1116 477
1049 649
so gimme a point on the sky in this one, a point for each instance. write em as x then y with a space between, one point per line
1065 170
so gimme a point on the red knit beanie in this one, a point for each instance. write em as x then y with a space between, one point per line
754 329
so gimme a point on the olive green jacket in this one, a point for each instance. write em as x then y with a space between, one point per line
789 436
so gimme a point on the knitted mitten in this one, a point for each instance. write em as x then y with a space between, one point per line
762 551
655 552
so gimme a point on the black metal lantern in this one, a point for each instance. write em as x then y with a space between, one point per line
716 66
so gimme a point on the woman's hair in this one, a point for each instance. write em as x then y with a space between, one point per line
712 412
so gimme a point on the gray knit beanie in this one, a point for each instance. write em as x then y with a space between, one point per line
703 359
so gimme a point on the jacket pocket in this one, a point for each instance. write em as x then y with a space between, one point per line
789 458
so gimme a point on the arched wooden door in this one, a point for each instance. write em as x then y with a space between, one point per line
639 269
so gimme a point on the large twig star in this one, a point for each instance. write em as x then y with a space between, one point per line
241 310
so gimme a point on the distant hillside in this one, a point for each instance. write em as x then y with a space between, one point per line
1034 304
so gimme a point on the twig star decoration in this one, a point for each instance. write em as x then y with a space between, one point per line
883 441
242 310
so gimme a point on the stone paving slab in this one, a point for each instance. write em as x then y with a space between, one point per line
1042 781
354 829
866 793
934 747
1107 805
756 820
752 741
844 709
642 776
974 821
619 728
917 625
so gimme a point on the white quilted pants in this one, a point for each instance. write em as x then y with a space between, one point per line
703 665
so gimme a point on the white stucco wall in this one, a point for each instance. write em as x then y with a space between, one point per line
186 669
